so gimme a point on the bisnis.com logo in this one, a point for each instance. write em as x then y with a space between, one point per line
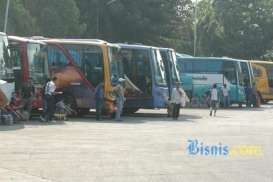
196 148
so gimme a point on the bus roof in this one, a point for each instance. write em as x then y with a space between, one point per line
96 42
135 46
2 33
261 62
25 40
211 59
181 55
166 49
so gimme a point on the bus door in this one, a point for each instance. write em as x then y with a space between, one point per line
168 68
160 87
137 70
230 72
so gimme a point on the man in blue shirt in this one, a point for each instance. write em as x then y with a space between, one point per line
99 98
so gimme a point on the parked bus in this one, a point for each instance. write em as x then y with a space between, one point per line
144 67
199 74
80 65
263 73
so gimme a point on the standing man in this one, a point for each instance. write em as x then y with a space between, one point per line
177 98
120 99
99 98
49 96
27 97
225 92
248 93
213 100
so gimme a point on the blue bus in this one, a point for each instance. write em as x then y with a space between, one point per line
144 67
199 74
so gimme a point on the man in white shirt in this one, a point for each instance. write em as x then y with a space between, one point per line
213 100
49 98
176 99
225 92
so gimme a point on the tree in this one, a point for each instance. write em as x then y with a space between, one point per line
17 25
56 18
241 29
153 22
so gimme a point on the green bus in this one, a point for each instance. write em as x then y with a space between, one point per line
198 74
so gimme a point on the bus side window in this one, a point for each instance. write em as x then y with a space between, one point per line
56 58
92 65
229 71
257 72
270 76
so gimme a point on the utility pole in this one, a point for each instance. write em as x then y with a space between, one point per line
195 29
6 16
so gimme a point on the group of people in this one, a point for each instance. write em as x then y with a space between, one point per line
118 92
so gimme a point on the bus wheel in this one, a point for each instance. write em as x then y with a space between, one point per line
259 100
71 105
130 110
82 112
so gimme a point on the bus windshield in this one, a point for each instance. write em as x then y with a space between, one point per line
160 74
37 60
6 71
89 58
175 76
116 68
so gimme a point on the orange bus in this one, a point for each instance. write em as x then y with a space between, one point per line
263 73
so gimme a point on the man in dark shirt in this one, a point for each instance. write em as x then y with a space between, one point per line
99 97
27 96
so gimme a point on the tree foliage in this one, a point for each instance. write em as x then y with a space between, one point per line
234 28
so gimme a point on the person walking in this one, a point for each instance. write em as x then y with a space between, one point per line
99 99
248 94
213 100
225 92
27 97
49 97
176 100
120 99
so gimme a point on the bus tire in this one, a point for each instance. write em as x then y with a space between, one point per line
259 99
82 112
130 110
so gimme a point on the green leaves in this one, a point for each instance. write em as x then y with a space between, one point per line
242 29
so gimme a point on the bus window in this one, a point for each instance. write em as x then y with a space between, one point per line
257 72
245 73
137 68
175 76
6 66
185 67
37 60
160 74
229 71
116 67
56 58
89 58
270 75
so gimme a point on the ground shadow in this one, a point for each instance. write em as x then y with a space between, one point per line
16 126
137 118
